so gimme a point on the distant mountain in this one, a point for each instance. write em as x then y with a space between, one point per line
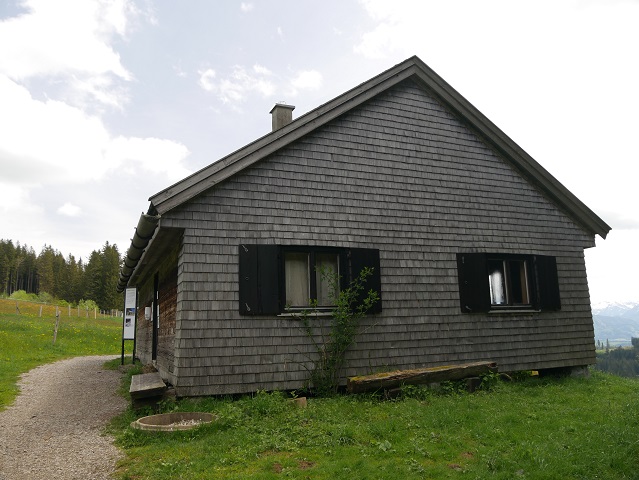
616 322
617 309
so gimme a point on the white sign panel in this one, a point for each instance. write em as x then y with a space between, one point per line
128 330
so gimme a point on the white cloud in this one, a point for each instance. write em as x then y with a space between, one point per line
397 25
247 7
179 71
611 267
67 42
13 197
45 143
307 80
83 92
206 79
69 210
49 141
259 69
148 154
236 87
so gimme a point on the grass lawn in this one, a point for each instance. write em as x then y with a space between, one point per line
26 341
530 429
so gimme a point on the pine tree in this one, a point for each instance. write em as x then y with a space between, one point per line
110 273
45 270
93 278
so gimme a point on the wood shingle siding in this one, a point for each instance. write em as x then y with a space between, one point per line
401 174
402 166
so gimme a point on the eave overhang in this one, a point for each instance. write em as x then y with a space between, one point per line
141 238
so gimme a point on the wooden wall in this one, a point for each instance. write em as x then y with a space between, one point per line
403 175
167 302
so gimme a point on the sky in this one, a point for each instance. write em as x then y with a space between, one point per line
104 103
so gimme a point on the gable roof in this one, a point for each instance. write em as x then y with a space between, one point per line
416 70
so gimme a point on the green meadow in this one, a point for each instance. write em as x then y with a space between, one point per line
26 340
527 428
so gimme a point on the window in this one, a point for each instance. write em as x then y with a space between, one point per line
508 282
274 279
493 282
308 276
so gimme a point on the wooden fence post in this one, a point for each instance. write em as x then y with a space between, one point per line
57 323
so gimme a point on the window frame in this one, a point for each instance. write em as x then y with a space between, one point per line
510 286
474 289
312 252
510 283
261 281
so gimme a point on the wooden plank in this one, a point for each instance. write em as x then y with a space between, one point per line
146 385
397 378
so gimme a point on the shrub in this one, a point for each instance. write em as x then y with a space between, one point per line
345 318
44 297
87 304
22 295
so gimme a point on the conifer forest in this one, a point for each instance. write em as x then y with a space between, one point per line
50 276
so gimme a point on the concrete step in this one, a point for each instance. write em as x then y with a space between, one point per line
146 385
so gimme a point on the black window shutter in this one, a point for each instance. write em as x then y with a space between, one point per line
474 290
344 270
547 283
259 279
367 257
248 279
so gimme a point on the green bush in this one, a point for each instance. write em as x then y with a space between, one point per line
346 315
44 297
87 304
22 295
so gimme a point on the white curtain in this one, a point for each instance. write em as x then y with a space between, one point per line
496 281
296 270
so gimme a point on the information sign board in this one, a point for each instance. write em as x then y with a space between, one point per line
128 329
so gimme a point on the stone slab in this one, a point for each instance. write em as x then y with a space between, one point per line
146 385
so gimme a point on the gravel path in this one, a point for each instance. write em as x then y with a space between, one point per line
54 429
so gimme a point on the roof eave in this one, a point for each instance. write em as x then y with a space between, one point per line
144 232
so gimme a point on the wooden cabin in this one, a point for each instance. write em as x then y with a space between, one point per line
478 251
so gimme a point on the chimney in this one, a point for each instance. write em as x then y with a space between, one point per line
282 115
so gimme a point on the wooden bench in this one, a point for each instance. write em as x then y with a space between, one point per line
395 379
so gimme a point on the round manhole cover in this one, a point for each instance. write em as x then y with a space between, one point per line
170 422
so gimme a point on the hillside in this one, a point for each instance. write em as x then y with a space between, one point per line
616 322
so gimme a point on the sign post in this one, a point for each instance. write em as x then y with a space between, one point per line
128 322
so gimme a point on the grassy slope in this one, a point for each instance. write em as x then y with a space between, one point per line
534 429
26 341
537 429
